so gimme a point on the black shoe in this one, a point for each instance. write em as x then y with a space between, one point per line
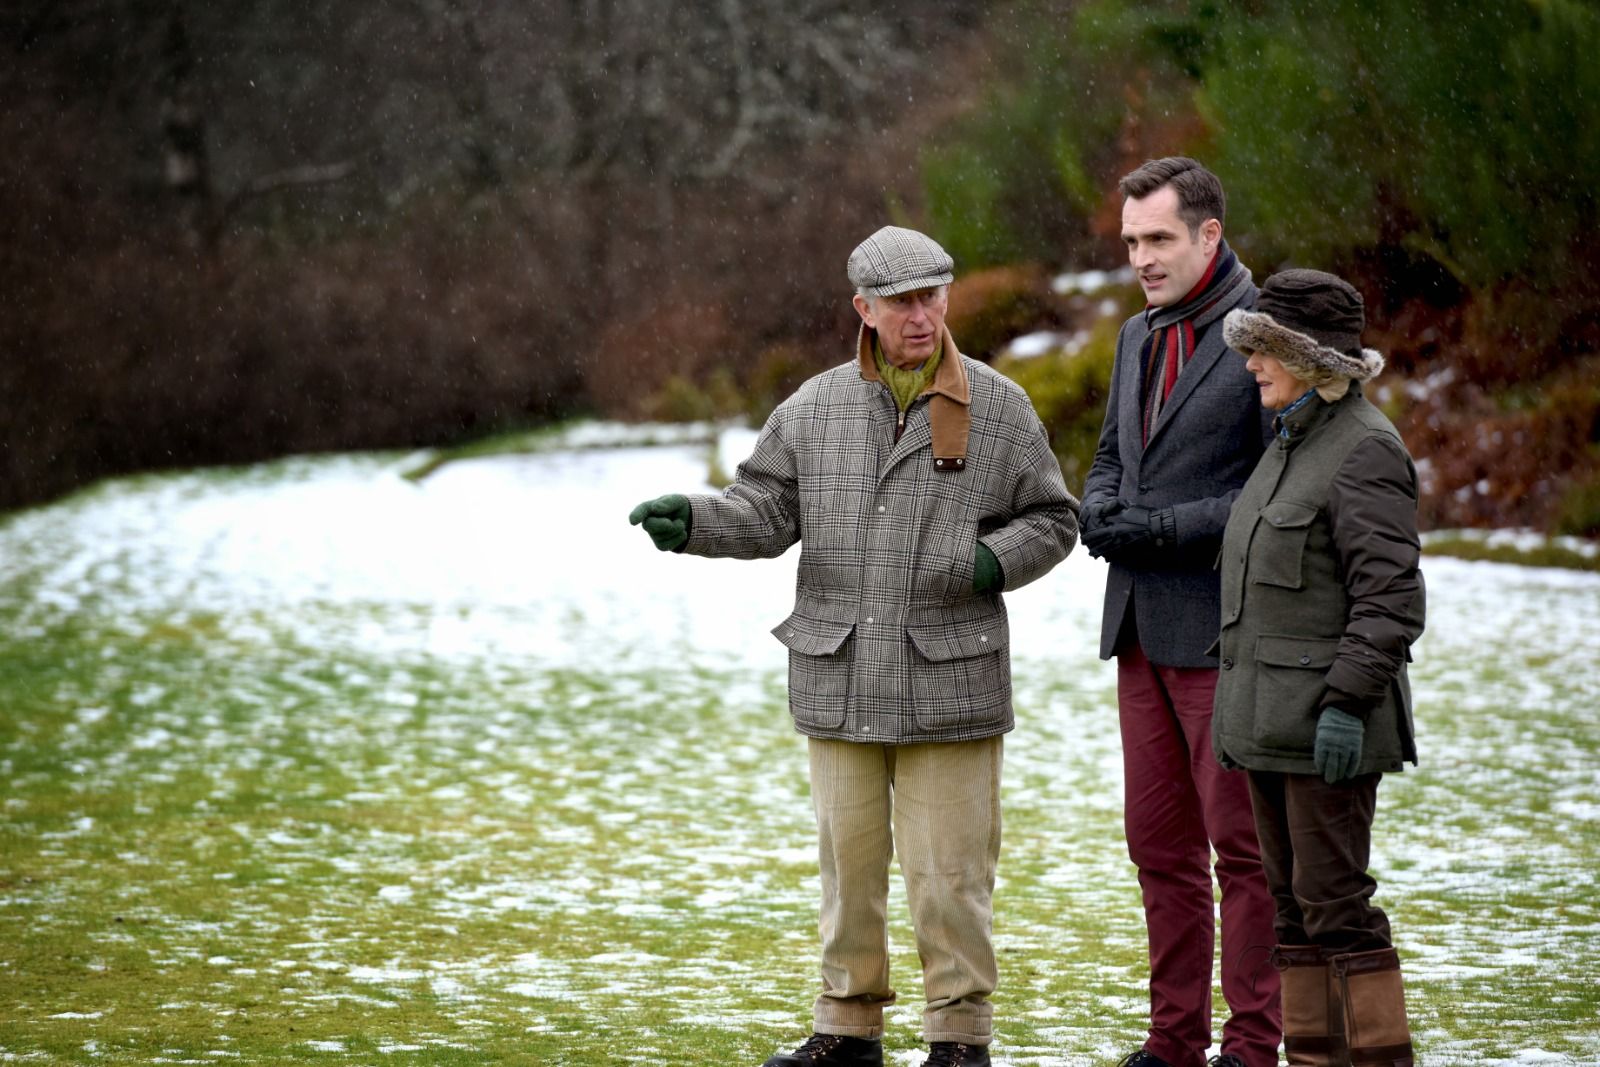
1227 1059
1143 1059
831 1050
952 1054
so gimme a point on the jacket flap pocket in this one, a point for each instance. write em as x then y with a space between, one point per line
939 641
1307 652
1289 514
810 636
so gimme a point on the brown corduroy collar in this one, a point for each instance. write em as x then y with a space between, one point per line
949 403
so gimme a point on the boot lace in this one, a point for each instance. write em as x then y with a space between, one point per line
818 1046
947 1054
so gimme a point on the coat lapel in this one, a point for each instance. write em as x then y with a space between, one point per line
1206 354
1130 401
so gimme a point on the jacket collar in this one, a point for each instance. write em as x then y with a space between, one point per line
950 399
1305 415
949 380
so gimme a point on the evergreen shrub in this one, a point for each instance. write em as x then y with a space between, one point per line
1069 389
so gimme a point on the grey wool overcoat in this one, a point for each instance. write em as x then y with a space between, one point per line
1210 434
887 641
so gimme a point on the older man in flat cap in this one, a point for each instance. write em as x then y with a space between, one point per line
920 485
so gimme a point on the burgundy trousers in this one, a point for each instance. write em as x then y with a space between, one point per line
1179 805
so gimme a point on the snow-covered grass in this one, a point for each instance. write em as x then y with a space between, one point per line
312 763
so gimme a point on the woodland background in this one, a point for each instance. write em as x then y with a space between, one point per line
232 231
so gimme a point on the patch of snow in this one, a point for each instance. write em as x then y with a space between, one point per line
383 974
1090 281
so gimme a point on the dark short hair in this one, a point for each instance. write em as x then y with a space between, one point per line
1200 195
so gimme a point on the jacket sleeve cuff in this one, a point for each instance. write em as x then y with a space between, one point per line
1350 704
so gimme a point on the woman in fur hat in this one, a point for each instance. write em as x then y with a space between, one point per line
1321 601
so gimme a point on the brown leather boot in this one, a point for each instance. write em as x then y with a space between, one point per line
1374 1007
1313 1020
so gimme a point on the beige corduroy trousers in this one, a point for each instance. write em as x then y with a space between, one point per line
940 804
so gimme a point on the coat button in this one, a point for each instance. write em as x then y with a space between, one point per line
881 509
1144 487
1227 664
869 620
1304 660
983 639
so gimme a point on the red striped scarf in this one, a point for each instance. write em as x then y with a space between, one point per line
1173 329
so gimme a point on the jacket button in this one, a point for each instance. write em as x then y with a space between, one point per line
983 639
1304 660
881 509
1227 664
869 620
1144 487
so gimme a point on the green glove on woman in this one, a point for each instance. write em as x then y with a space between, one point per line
1337 750
666 519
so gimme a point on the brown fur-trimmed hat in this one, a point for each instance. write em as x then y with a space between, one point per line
1311 323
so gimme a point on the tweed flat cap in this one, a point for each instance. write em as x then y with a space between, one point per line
896 260
1311 323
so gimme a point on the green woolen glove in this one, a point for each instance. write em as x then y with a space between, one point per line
1337 751
666 519
986 572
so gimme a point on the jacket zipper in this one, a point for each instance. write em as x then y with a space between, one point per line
899 427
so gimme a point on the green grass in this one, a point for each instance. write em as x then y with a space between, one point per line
1546 554
267 837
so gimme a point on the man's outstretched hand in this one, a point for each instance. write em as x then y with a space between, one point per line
665 519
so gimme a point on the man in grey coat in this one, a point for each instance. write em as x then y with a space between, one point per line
1184 428
920 484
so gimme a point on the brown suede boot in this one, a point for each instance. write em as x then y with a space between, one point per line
1313 1019
1374 1007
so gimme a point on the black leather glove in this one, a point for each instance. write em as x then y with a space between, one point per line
1092 519
666 519
1134 526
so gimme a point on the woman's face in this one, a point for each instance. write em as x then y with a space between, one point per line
1278 387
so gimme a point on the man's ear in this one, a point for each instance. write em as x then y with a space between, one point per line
1211 233
864 309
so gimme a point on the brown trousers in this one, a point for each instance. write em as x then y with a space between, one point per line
1316 841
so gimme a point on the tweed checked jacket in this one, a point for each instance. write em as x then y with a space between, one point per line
887 641
1206 441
